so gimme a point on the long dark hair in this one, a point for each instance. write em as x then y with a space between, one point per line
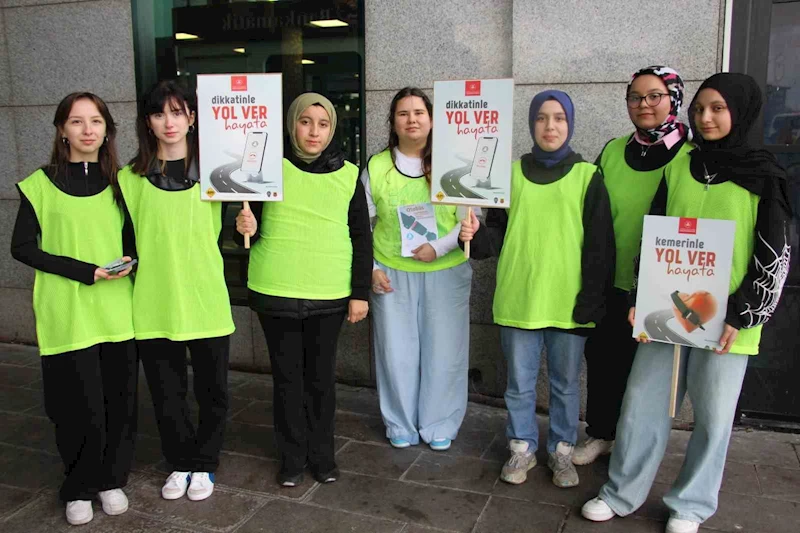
153 101
107 158
394 140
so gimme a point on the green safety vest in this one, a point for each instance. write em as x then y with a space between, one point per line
539 271
724 201
71 315
180 292
631 192
392 189
304 249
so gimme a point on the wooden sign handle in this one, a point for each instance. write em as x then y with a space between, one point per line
246 205
466 244
676 370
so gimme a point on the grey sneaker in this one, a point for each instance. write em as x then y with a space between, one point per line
515 471
560 462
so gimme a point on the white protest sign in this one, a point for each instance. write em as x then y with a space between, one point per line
240 119
684 277
472 127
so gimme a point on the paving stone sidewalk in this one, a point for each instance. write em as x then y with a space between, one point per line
382 490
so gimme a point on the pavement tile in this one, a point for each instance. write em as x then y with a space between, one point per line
766 452
516 516
485 418
456 472
44 514
577 524
256 412
470 442
779 483
258 475
250 439
407 502
18 400
360 427
362 401
28 431
12 499
19 376
129 522
30 469
222 511
252 390
287 517
376 459
654 507
739 478
539 486
737 513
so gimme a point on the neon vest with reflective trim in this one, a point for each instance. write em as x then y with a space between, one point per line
304 249
392 189
69 314
180 292
539 272
631 192
724 201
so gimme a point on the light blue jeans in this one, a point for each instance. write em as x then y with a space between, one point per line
523 350
421 342
713 383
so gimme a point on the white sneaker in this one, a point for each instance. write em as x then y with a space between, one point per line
201 487
597 510
589 450
176 485
114 501
515 471
678 525
79 512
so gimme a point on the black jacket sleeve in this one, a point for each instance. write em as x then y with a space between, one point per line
757 297
361 239
657 207
488 240
598 255
256 208
25 248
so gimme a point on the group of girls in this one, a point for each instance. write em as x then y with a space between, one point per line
565 283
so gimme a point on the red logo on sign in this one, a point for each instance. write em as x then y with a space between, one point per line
688 225
238 83
472 88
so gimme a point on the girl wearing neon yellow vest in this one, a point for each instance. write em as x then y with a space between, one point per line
557 254
310 267
722 178
421 303
180 299
71 220
632 167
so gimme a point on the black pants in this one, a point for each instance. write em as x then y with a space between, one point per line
303 357
165 366
90 395
609 357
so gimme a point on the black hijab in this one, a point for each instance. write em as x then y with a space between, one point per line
732 157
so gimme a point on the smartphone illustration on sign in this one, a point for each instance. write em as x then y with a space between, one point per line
484 156
254 148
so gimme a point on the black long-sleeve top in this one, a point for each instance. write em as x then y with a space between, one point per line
599 250
81 179
752 304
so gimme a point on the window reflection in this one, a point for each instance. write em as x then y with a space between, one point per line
782 109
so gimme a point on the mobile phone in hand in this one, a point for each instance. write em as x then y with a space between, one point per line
115 267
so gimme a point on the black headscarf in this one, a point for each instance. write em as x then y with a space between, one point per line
732 157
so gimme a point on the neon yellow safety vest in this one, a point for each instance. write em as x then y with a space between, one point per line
180 292
304 249
539 272
69 314
392 189
725 201
631 192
